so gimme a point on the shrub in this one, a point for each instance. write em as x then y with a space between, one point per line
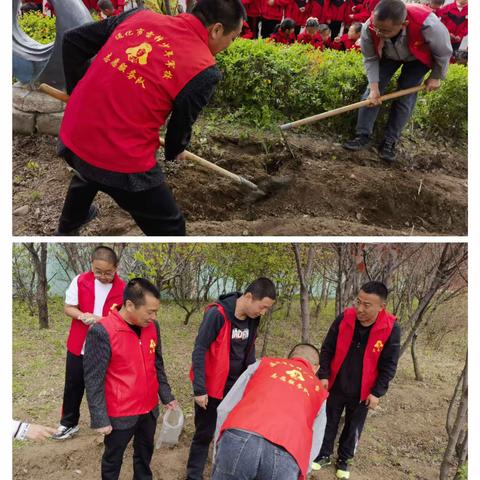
265 83
38 26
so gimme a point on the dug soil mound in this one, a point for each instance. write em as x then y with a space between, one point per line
324 190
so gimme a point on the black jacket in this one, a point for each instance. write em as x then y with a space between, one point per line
242 342
348 381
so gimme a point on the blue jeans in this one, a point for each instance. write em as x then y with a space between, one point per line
243 456
401 109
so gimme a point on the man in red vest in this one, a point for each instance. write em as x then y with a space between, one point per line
271 423
124 376
398 35
89 297
358 360
146 67
224 348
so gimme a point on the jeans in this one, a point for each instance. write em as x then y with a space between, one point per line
401 109
355 416
243 456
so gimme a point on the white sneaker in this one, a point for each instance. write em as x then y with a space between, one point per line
63 433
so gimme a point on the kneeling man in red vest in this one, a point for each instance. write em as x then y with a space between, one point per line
124 376
398 35
271 423
358 360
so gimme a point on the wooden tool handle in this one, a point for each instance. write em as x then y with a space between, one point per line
212 166
348 108
54 92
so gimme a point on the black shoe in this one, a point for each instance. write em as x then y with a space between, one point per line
387 151
360 142
320 463
92 214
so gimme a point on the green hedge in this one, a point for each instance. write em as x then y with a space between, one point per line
265 83
38 26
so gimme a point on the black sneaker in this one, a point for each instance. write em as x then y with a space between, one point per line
320 463
360 142
64 433
92 214
387 151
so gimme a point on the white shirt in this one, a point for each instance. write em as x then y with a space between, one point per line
100 294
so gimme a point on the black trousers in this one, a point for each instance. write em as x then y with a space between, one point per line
355 416
253 24
153 210
205 423
73 391
335 28
268 26
143 434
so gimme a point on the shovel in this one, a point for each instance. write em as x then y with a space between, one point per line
256 193
348 108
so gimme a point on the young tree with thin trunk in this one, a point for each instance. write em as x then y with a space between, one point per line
38 254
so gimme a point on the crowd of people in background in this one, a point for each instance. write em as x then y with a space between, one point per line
334 24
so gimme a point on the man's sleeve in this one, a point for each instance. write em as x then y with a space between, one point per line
187 106
370 57
164 390
233 397
81 44
318 432
329 346
207 333
71 295
95 363
387 364
436 35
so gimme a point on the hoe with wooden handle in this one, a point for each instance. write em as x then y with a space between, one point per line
242 181
348 108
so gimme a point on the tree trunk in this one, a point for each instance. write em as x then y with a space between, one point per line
304 276
266 333
40 263
416 366
454 430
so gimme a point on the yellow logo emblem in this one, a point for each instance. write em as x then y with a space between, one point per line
139 54
152 345
296 375
378 347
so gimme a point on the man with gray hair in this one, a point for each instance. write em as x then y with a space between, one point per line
397 35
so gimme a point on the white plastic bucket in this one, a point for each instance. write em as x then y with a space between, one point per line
172 426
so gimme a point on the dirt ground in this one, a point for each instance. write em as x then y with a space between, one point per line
332 192
403 440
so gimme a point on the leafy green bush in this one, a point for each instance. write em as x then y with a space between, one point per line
38 26
265 83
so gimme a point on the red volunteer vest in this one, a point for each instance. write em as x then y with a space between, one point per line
114 114
293 11
252 7
379 334
416 16
280 403
131 385
455 20
217 359
86 303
